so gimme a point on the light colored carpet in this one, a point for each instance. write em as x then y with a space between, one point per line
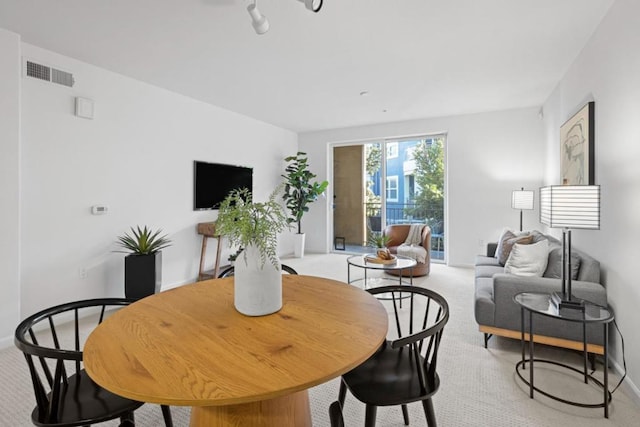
479 386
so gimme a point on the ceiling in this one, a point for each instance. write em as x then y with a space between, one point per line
415 58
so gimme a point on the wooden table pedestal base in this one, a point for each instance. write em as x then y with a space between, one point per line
291 410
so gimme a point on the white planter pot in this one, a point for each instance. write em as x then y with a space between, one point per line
257 287
298 245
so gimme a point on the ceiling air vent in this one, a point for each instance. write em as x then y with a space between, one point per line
49 74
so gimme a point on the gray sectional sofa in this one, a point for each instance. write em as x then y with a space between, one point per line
497 314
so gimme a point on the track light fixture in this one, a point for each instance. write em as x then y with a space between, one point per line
261 24
312 5
258 20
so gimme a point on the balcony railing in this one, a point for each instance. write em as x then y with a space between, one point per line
406 213
409 213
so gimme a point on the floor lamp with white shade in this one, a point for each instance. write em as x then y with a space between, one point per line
567 207
522 199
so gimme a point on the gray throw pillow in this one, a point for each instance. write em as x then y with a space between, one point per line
506 234
554 265
538 236
506 242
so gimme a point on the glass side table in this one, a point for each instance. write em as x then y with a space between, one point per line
541 304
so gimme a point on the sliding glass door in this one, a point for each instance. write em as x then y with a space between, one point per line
398 181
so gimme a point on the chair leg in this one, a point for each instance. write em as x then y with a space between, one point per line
405 414
342 394
592 361
127 420
486 339
335 415
370 416
429 413
166 414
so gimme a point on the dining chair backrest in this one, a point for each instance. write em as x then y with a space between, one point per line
229 271
404 369
418 328
52 341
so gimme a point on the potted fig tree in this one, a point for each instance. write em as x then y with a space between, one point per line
254 226
299 191
143 264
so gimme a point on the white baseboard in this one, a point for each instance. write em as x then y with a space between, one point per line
166 287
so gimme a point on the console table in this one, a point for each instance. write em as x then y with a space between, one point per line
208 230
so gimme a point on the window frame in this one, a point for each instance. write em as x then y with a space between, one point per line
389 187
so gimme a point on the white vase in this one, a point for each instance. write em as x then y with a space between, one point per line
298 245
257 287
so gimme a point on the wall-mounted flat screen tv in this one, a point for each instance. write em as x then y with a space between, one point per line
212 182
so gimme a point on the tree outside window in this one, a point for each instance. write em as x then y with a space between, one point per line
429 176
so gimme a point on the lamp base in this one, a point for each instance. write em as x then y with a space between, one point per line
561 301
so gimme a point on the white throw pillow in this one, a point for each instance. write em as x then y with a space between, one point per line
528 260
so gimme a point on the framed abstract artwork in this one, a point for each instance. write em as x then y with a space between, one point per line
577 164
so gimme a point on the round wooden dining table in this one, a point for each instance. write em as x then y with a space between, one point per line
189 346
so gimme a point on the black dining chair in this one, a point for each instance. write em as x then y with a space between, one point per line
335 415
229 271
51 341
403 369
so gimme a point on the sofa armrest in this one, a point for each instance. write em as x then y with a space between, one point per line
506 286
491 249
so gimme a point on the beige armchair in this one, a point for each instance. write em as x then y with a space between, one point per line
398 234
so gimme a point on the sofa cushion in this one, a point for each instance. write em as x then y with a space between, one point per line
589 267
506 242
528 260
488 270
554 264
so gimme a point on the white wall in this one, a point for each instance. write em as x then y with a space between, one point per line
9 184
136 157
487 156
608 72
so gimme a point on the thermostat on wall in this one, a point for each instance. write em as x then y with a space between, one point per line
99 209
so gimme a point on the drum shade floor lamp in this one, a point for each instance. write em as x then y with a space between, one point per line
567 207
522 199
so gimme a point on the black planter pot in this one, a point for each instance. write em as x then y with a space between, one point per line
142 275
